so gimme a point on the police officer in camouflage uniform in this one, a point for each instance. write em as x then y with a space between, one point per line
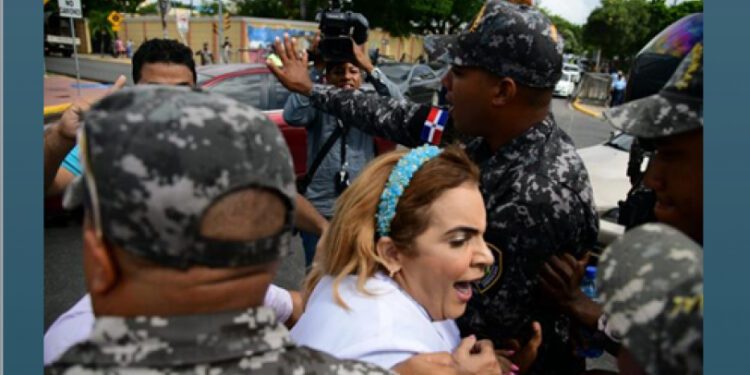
189 199
536 189
669 124
652 279
651 282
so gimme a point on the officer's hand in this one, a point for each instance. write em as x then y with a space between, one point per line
560 278
476 357
428 364
293 75
362 60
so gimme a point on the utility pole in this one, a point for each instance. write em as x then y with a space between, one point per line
164 6
221 33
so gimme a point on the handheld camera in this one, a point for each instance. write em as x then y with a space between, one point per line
337 29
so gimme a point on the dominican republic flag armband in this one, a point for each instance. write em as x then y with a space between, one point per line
434 125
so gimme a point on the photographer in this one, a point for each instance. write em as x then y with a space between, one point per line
342 151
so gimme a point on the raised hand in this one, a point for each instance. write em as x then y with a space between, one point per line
293 75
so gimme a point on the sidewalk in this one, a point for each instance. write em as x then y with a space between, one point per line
589 109
106 57
60 91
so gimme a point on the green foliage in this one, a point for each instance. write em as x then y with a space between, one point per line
125 6
395 16
622 27
99 26
266 8
572 34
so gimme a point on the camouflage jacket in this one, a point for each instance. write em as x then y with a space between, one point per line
651 286
539 203
239 342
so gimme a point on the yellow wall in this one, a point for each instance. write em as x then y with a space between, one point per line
139 28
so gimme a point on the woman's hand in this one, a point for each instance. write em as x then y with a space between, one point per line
524 357
476 357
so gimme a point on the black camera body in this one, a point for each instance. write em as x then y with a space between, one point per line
337 29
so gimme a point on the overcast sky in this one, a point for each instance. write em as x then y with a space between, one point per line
576 11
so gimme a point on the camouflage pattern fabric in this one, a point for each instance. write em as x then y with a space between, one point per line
157 157
539 203
240 342
676 109
651 282
509 40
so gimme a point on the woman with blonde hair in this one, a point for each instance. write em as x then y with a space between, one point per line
398 261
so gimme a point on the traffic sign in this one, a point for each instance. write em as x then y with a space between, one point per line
70 8
114 18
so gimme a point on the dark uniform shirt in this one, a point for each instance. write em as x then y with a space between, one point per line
539 203
240 342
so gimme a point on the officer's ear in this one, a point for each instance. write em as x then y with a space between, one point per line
504 90
98 261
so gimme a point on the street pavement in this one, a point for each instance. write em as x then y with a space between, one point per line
92 67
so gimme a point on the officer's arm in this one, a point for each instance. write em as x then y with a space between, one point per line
400 121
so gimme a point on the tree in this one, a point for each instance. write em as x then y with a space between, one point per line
100 26
395 16
622 27
572 34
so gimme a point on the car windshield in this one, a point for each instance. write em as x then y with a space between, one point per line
396 72
621 142
570 68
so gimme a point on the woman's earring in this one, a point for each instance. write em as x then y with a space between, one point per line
392 272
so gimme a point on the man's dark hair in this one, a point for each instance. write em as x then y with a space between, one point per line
166 51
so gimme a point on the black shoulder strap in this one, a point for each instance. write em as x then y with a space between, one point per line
307 178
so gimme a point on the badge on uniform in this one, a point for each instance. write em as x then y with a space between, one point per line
434 125
493 272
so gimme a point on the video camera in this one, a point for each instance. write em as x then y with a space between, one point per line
337 29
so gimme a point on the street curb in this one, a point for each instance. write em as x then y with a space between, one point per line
581 108
55 109
105 58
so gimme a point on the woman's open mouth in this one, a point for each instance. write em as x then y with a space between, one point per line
463 290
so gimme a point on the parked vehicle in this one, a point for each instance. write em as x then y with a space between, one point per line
57 35
417 82
254 84
565 86
574 70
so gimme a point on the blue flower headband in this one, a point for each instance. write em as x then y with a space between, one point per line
398 181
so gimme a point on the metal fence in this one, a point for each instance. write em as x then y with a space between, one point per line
594 89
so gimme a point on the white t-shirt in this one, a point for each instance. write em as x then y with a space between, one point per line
75 325
385 328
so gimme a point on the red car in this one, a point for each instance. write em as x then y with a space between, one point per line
255 85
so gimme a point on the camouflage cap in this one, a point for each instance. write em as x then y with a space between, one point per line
651 283
509 40
157 157
676 109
